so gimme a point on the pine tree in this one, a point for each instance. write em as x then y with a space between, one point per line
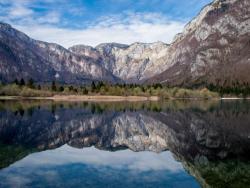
16 81
93 87
22 82
53 86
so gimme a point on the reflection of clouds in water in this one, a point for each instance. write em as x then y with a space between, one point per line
23 177
15 181
141 161
49 175
47 164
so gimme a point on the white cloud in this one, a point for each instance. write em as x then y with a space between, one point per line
50 18
126 29
140 161
22 12
19 11
16 9
137 164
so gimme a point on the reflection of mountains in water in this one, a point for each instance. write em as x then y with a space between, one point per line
198 133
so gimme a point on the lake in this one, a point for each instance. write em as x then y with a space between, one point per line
176 143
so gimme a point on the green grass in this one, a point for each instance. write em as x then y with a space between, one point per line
117 90
24 91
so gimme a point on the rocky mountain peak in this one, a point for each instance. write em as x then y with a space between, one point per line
111 45
7 29
84 50
23 57
213 48
4 25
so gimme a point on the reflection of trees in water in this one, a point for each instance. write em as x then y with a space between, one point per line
209 137
110 106
223 173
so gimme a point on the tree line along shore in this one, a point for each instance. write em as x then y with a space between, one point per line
29 88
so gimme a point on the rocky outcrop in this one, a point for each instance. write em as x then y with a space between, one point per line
23 57
132 63
214 47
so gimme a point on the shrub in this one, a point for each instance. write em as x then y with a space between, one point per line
61 88
27 92
10 90
85 91
15 90
30 83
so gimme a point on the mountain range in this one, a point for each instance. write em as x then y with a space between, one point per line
214 48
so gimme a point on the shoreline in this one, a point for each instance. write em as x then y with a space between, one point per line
234 98
109 98
98 98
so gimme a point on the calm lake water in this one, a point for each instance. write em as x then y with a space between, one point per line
179 144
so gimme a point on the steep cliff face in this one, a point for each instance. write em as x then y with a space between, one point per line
134 63
214 47
23 57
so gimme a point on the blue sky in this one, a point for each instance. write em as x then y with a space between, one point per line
91 22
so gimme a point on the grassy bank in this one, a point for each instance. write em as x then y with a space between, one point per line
104 90
24 91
